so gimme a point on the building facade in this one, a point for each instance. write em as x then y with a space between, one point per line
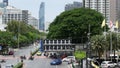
109 8
58 46
72 6
42 16
11 13
5 2
33 21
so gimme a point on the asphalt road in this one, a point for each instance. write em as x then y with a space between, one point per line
43 63
10 60
38 62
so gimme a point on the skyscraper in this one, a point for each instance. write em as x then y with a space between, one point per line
73 6
109 8
42 16
5 2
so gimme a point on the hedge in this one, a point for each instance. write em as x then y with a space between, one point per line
18 65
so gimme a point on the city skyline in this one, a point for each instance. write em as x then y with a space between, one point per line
52 8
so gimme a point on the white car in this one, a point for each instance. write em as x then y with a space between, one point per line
107 64
69 59
66 59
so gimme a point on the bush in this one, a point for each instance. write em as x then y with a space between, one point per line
18 65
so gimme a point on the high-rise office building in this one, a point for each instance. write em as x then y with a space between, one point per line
5 2
109 8
72 6
42 16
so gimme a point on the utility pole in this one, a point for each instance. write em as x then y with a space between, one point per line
88 53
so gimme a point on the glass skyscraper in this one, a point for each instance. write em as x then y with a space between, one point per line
5 2
42 16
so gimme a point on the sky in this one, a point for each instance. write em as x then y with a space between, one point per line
52 7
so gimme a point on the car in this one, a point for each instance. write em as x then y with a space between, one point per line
38 53
66 59
108 64
56 62
69 59
118 65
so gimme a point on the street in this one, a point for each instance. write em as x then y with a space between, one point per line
43 63
38 62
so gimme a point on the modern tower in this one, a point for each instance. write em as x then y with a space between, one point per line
109 8
73 6
42 16
5 2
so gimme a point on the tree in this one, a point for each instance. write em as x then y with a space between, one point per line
22 31
6 38
75 23
98 44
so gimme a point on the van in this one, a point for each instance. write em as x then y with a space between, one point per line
112 56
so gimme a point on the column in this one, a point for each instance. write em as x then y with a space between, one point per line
57 41
45 41
49 41
60 41
53 42
68 41
61 47
49 48
65 41
53 48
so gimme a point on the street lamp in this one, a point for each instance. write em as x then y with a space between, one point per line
18 34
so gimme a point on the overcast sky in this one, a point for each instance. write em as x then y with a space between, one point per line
52 7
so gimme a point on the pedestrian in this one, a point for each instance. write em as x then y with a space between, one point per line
21 60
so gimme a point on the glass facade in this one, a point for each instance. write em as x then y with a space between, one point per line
42 16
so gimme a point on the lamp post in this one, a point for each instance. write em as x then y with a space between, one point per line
88 53
18 34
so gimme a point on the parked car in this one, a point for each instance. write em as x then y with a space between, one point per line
108 64
118 65
56 62
38 53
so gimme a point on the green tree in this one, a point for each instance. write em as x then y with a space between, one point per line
98 44
75 24
22 31
101 44
6 38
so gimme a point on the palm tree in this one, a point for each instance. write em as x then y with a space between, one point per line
98 44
